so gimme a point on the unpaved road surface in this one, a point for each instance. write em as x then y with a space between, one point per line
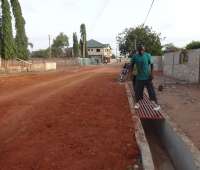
66 120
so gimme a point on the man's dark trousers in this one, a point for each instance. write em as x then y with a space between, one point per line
139 90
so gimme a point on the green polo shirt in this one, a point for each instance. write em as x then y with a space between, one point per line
142 63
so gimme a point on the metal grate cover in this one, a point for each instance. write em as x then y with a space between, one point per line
146 110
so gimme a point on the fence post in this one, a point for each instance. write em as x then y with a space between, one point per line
173 66
199 68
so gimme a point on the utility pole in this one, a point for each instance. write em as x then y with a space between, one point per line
49 46
84 46
116 50
135 41
135 44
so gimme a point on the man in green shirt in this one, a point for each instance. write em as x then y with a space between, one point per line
144 77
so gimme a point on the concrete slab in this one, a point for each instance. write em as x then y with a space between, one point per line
143 145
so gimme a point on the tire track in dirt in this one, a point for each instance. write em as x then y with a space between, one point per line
38 97
15 107
40 86
28 95
80 124
35 95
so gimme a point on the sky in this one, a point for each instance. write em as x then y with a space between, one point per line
177 20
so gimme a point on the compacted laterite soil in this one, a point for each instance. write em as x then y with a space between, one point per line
66 120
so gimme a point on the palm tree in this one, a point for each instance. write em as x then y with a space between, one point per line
83 38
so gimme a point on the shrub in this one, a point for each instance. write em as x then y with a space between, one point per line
193 45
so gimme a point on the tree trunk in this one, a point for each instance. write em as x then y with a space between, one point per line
83 50
84 46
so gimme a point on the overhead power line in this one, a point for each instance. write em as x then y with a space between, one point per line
100 13
149 12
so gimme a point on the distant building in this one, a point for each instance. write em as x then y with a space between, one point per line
102 53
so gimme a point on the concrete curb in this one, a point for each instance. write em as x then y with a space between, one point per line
181 149
147 160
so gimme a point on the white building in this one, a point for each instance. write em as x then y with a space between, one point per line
101 52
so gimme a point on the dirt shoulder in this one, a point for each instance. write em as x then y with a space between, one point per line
182 103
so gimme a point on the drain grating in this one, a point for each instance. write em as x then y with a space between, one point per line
146 110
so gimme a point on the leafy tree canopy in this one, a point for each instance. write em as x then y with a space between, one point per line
40 53
59 44
8 48
21 38
61 41
83 30
144 35
193 45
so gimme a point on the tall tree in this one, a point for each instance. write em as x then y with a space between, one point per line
81 47
193 45
21 38
75 45
84 40
59 44
8 44
0 34
132 37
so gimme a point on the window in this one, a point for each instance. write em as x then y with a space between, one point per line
88 49
98 50
92 50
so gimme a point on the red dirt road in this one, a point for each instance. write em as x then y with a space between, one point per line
69 120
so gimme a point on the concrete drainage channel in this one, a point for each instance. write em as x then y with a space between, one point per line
161 158
162 145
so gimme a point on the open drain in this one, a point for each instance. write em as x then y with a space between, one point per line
162 145
161 158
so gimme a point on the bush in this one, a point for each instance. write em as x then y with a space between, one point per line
193 45
40 54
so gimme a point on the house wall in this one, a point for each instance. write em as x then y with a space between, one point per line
106 52
158 65
94 52
188 72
